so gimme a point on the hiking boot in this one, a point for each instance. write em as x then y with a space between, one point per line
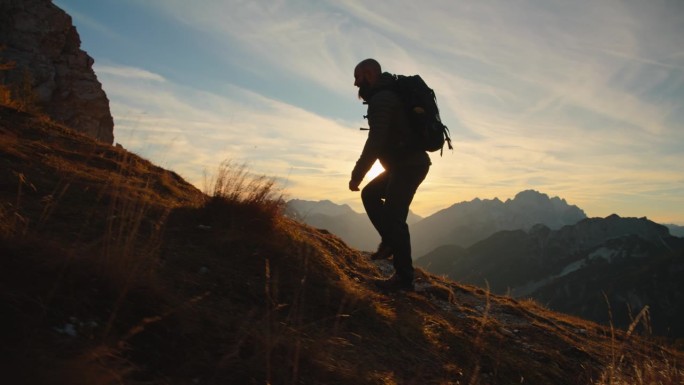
383 252
394 283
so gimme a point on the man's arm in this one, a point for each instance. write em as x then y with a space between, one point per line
379 119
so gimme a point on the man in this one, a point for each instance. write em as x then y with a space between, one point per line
387 197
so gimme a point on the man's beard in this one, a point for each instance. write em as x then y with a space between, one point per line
365 91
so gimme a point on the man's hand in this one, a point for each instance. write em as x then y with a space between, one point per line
353 186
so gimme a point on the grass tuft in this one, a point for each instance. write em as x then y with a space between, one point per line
235 193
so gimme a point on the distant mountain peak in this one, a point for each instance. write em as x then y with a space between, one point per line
536 196
531 194
468 222
325 207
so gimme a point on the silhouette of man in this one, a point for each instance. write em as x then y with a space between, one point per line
387 197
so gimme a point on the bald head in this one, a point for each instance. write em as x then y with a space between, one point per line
370 65
367 73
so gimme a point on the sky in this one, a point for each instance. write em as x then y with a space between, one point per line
579 99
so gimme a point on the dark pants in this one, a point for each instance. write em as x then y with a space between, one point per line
386 200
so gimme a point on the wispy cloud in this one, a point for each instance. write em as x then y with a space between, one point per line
579 99
128 72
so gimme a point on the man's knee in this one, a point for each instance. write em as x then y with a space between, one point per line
369 195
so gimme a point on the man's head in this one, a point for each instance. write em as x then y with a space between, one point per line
366 74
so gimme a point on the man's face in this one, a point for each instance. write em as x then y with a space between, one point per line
361 80
361 77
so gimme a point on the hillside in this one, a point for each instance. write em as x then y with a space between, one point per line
114 270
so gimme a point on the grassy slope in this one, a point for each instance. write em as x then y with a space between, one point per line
113 270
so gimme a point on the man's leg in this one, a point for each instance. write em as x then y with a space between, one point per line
401 188
372 197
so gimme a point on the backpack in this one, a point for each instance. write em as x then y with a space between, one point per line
420 103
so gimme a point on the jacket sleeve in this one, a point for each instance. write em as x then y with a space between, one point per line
380 110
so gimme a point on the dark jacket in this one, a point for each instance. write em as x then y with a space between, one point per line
389 137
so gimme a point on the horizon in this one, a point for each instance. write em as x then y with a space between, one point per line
356 210
578 100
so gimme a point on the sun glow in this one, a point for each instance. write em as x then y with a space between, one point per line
374 171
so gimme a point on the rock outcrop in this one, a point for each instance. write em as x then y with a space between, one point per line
40 38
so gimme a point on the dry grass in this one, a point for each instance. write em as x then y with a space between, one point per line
651 371
79 241
234 192
627 366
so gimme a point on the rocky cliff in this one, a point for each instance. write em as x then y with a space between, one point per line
41 40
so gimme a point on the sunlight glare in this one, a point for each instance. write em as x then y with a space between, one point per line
374 171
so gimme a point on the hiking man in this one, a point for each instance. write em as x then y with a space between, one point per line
387 197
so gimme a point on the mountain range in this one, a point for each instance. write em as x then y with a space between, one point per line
676 230
465 223
604 269
461 224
